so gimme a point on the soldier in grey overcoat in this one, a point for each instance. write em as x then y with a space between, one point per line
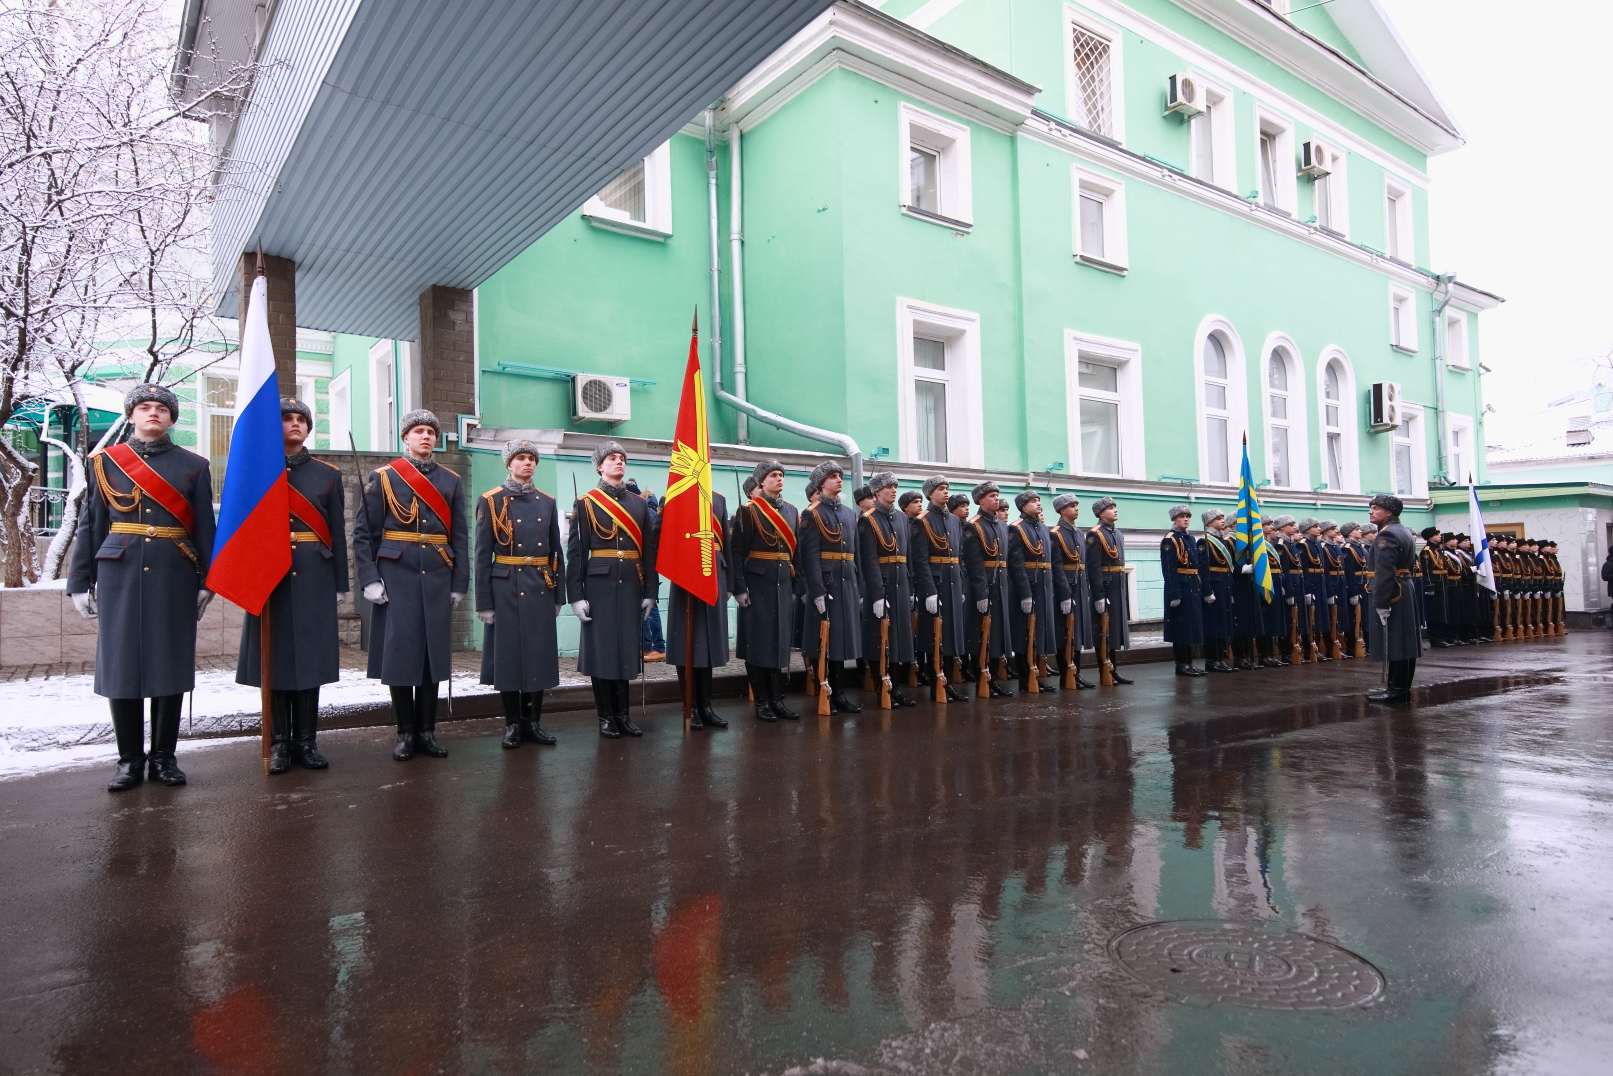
612 583
936 558
710 648
1030 581
826 545
1106 571
985 570
1393 629
1070 586
141 570
302 609
763 566
883 537
414 566
1183 591
519 574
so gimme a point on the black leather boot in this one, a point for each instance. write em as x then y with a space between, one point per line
775 695
954 688
129 726
702 691
161 766
623 693
761 692
531 717
280 706
304 729
425 721
1114 674
900 698
511 703
605 707
838 703
403 712
998 691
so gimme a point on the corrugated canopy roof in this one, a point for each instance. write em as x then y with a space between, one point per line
390 145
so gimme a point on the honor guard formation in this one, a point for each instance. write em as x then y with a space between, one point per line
902 593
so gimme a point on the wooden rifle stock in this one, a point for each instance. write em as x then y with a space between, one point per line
1033 683
884 661
1068 682
913 667
823 668
983 688
1296 656
1335 649
940 694
1360 639
1106 667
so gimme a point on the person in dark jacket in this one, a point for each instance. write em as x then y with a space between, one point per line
1393 627
306 646
1330 616
1607 571
883 535
1184 591
1030 580
936 557
1071 588
765 573
411 546
1106 571
1216 570
1313 613
709 649
826 543
1353 558
140 560
985 568
612 583
519 574
1431 566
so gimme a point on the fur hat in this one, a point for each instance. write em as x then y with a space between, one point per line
764 468
1369 528
1279 522
141 393
1210 515
514 448
823 471
957 501
1064 500
1025 497
290 405
908 498
1102 505
419 417
1447 537
750 485
607 448
1306 523
1428 534
1348 526
1178 510
1389 502
861 494
980 492
1328 525
880 480
932 483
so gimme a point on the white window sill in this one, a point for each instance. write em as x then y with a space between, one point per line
1404 350
962 227
1460 367
627 227
1099 263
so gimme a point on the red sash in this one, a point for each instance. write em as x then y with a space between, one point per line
309 513
153 485
602 500
424 490
775 517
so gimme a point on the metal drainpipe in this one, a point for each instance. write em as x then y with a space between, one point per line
840 440
1449 280
736 239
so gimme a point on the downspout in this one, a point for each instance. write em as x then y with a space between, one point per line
812 433
1449 280
736 240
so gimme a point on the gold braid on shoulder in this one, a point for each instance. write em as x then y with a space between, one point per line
392 502
498 517
834 536
1108 550
118 502
879 534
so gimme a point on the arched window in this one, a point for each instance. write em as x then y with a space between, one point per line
1217 413
1338 420
1277 408
1333 424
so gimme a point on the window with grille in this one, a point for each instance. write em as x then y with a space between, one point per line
1277 417
218 398
1217 416
1092 104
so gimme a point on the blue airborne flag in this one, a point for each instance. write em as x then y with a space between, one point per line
1248 534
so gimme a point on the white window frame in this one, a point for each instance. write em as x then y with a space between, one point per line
949 140
1334 187
1112 193
1079 20
1218 126
1237 413
384 412
1286 195
1461 425
960 330
1127 358
1399 233
1410 431
1403 318
341 411
1349 450
1458 355
657 222
1299 454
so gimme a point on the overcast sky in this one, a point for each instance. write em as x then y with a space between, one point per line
1518 210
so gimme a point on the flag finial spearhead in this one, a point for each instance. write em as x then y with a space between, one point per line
695 325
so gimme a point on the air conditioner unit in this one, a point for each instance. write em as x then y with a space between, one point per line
1184 94
1385 406
600 398
1314 157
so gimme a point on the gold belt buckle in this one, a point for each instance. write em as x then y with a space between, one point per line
151 531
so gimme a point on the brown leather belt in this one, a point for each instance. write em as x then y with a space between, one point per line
764 555
943 560
150 531
1038 564
994 564
1313 571
1187 571
303 536
1330 572
837 556
414 536
1213 568
893 560
1114 567
523 562
614 554
1075 567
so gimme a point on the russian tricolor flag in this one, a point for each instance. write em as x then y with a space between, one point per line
252 551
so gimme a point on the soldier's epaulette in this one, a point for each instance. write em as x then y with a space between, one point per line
316 459
450 470
489 494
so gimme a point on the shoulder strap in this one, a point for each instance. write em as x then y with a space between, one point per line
423 489
602 500
309 513
153 484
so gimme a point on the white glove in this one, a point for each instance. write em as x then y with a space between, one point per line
1175 602
1290 601
983 606
879 608
375 593
581 609
484 615
821 603
1209 599
85 604
1332 599
932 603
202 598
743 600
1026 605
1356 600
457 596
1310 599
1100 605
1248 569
1383 616
1066 605
645 605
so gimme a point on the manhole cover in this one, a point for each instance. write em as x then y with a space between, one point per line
1242 964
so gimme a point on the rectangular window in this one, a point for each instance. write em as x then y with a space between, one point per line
930 398
1335 460
924 168
935 178
1275 164
1100 436
1216 431
1268 168
341 411
383 397
624 195
1092 84
1103 385
1402 319
1397 222
1456 353
219 400
1279 456
1091 225
939 414
1403 467
1100 220
638 200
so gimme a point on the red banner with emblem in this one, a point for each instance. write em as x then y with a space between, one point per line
689 546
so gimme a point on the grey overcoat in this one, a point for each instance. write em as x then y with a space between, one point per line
520 651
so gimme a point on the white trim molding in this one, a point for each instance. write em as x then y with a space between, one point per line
1237 410
1297 403
1348 425
1402 318
1110 194
949 141
1280 130
657 222
1213 136
1127 359
960 331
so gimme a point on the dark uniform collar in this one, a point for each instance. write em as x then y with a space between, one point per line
298 458
155 447
423 466
776 502
825 499
519 488
886 511
619 492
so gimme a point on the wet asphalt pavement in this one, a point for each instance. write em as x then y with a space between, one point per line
912 892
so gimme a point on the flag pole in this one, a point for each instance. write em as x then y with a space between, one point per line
265 646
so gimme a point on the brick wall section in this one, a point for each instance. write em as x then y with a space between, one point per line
447 353
281 274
